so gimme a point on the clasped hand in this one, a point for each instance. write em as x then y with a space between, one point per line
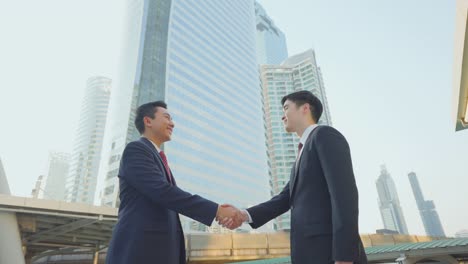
230 217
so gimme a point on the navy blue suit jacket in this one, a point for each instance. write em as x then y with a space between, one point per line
149 229
323 199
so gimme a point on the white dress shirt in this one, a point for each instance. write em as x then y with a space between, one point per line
304 138
154 144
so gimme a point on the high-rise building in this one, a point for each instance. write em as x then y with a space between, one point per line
462 233
4 187
427 209
56 175
389 203
85 160
271 42
10 244
38 190
299 72
199 57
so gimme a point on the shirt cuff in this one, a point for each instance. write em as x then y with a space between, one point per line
250 218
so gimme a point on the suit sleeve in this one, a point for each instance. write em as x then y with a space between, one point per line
140 171
268 210
335 159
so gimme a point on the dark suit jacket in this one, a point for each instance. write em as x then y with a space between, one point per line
149 229
323 199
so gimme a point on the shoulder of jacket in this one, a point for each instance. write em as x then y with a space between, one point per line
327 132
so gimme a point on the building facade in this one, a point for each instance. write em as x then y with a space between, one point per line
86 155
38 190
200 58
57 170
389 203
299 72
271 41
427 210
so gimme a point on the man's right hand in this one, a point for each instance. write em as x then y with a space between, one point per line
233 217
225 213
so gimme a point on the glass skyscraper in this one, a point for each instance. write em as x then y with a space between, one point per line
389 203
427 209
199 57
271 42
86 155
299 72
57 169
4 187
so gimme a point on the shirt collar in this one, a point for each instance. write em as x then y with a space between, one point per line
154 144
306 133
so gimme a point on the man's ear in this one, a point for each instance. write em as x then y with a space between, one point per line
306 108
146 120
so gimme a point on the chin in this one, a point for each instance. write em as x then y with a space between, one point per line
166 138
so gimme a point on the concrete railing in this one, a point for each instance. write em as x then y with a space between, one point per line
214 248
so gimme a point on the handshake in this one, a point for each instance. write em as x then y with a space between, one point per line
230 217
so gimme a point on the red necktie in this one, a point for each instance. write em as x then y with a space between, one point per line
166 165
299 147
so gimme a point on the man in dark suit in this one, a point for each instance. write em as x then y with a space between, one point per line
321 193
149 229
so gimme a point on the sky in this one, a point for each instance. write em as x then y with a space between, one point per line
387 68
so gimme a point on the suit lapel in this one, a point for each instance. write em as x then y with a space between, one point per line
294 172
173 178
156 154
297 164
293 179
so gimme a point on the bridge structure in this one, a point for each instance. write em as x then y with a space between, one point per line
460 67
59 232
444 251
47 231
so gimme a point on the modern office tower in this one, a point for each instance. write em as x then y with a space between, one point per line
200 58
56 175
38 190
427 209
271 42
86 154
4 187
299 72
10 244
462 233
389 204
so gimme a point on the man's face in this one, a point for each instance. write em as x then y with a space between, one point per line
292 116
161 125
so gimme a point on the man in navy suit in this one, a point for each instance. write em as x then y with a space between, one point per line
321 194
149 229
